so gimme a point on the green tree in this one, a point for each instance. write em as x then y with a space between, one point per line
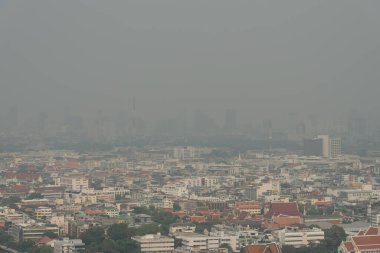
177 243
142 210
35 195
129 246
148 229
227 246
50 234
120 231
200 227
10 201
176 207
109 246
41 249
93 235
25 245
5 238
333 237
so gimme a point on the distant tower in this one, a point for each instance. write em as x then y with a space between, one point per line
133 130
268 132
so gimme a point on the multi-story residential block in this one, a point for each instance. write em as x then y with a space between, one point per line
51 192
251 207
182 228
67 245
176 189
74 182
203 181
42 212
25 231
111 212
297 237
155 243
206 242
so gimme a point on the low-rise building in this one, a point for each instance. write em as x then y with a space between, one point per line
206 242
155 243
298 237
69 246
42 212
25 231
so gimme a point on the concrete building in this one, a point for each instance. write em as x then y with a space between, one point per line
335 147
25 231
42 212
74 183
69 246
182 228
252 207
297 237
323 146
313 147
205 242
155 243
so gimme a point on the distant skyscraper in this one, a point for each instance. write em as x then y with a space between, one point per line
313 147
323 146
335 147
203 124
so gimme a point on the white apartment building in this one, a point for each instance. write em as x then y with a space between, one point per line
75 183
375 219
182 228
111 212
331 147
177 190
114 191
335 147
297 237
155 243
69 246
205 242
203 182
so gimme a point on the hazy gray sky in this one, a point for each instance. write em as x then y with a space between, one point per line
260 57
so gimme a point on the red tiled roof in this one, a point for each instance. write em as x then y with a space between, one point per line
289 209
349 246
372 231
262 248
367 241
44 240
